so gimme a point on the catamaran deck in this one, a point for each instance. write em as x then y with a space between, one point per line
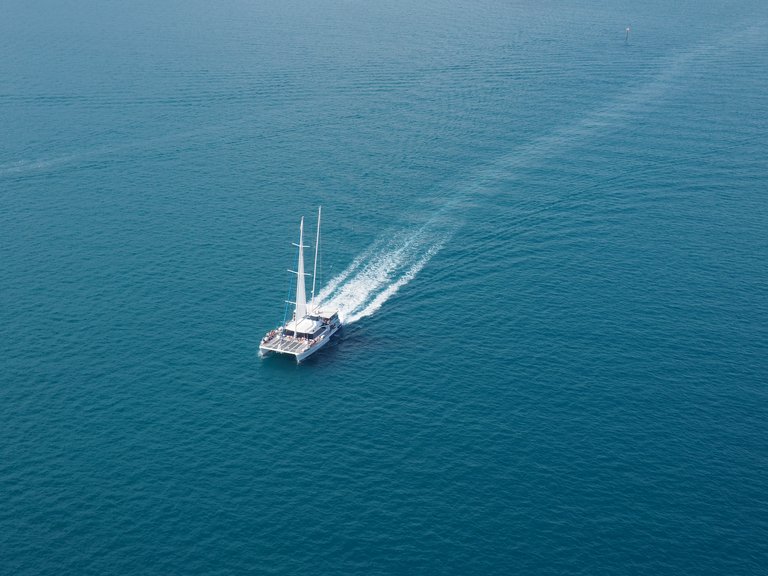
286 344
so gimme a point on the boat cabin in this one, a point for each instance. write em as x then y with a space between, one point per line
313 325
329 316
307 327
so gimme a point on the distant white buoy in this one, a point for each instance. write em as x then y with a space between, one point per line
626 38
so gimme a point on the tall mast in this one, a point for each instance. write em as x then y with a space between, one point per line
317 247
301 293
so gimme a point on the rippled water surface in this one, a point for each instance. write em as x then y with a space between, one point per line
548 241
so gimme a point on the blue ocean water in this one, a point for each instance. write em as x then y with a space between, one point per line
549 244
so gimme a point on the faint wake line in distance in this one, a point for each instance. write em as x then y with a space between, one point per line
381 270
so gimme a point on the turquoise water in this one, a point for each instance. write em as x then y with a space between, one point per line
549 245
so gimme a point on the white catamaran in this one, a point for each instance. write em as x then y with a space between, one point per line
312 325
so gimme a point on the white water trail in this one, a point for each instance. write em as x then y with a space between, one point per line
389 264
392 289
334 283
376 275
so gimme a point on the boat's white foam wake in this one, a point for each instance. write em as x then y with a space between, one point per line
377 274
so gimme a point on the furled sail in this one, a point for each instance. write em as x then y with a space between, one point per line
301 294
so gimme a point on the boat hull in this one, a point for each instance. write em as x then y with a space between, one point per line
296 347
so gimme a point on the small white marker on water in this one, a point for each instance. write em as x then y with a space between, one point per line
626 38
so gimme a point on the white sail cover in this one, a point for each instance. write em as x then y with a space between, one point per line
301 294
